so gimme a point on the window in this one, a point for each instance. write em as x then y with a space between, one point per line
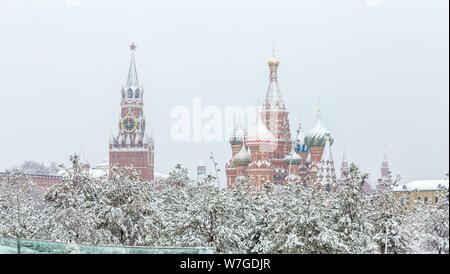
319 188
436 199
425 199
130 93
419 199
136 95
328 188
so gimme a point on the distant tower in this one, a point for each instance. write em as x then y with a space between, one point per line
385 170
132 146
344 165
201 171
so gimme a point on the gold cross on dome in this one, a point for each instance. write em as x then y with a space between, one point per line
133 46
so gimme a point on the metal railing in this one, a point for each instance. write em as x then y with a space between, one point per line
22 246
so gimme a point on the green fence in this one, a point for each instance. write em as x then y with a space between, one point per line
14 246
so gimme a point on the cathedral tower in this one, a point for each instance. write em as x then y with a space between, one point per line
315 139
132 146
276 119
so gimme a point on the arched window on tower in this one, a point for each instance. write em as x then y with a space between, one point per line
136 94
328 188
130 93
123 94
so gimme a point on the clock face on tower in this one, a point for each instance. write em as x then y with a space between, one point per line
128 123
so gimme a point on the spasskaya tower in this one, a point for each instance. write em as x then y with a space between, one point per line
132 146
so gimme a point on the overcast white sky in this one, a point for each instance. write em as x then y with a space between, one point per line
380 69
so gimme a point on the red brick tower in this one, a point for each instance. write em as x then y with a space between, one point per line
276 118
385 173
132 146
315 139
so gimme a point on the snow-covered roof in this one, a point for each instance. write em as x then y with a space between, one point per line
159 175
259 134
98 172
242 158
316 136
422 185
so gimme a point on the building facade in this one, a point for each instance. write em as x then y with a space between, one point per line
132 146
268 153
422 191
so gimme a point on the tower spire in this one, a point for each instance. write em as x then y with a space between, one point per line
318 109
273 96
132 79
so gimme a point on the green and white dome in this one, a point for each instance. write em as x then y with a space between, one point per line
315 137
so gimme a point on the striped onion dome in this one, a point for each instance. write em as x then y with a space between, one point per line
259 135
293 159
242 158
315 137
299 144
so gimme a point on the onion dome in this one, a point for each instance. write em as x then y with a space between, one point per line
242 158
315 137
259 135
293 159
299 144
273 61
239 134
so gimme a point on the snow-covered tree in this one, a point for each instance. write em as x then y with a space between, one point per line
71 212
430 224
196 216
349 214
291 221
388 218
125 206
18 210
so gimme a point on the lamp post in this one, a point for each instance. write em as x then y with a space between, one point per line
293 147
215 168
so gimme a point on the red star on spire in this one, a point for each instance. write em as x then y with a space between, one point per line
133 46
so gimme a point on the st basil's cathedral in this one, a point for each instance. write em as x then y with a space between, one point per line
268 153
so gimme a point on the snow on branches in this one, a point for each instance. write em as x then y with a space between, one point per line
121 209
